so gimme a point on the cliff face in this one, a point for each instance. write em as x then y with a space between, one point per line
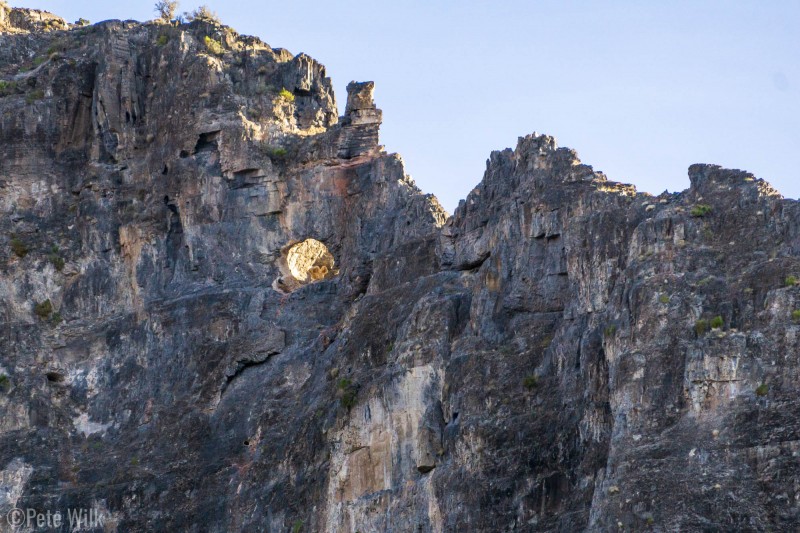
226 309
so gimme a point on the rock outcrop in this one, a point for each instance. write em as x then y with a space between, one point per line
224 308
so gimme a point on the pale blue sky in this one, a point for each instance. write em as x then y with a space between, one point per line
640 90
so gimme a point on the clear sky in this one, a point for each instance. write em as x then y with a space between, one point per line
640 89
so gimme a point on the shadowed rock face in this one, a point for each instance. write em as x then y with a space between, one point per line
543 360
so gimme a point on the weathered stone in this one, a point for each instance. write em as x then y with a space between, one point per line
535 362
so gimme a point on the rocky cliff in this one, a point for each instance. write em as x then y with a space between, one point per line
224 308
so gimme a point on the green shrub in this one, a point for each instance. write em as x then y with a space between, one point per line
162 39
610 330
547 340
701 326
82 22
349 399
7 87
701 210
347 393
215 47
56 319
664 299
19 248
717 322
43 309
796 315
791 281
57 260
202 13
38 94
297 527
286 95
5 383
762 389
276 152
39 60
531 382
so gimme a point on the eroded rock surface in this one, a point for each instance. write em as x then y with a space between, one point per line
562 354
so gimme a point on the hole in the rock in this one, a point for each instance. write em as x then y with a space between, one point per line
55 377
246 443
309 261
303 263
166 170
207 141
455 415
184 154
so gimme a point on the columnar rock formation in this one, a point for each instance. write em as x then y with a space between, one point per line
562 354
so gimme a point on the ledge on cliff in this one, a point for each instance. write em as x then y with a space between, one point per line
24 20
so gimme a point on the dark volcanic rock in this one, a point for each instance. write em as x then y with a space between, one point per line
562 354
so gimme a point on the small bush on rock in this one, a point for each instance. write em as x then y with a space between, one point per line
762 389
791 281
43 309
19 248
701 210
7 87
547 340
286 95
717 322
215 47
56 259
202 13
347 393
701 326
276 152
33 96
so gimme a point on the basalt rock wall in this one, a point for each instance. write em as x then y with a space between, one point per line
563 353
